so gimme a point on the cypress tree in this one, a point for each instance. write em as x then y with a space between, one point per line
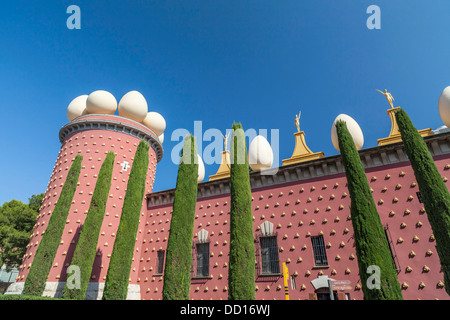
85 251
241 272
434 192
177 273
116 284
46 252
372 248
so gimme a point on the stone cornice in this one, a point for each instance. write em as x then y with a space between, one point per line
112 123
391 154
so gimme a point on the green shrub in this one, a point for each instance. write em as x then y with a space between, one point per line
241 272
177 273
116 284
46 252
85 251
17 221
435 195
372 248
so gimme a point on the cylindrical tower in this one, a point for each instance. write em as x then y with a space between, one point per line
92 136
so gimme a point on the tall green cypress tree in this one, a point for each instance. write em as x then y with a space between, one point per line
46 252
85 251
116 284
372 248
241 272
177 273
435 195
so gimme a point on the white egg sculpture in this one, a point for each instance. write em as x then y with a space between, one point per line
201 169
155 122
77 107
354 129
133 106
444 106
260 154
101 101
161 138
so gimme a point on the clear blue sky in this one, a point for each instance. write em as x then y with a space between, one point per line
218 61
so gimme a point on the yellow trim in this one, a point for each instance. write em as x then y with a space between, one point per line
224 168
394 135
286 276
301 151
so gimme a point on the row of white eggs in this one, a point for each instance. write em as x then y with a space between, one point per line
260 153
132 106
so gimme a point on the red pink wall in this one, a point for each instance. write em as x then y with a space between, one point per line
299 211
93 145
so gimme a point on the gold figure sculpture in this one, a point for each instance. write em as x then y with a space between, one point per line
297 121
301 151
225 141
388 96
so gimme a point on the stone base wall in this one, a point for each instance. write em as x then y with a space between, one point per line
94 290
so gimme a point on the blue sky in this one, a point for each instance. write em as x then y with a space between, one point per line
215 61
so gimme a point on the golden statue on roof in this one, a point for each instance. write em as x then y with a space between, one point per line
388 96
395 135
225 141
297 121
301 151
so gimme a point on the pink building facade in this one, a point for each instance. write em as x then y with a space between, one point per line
301 216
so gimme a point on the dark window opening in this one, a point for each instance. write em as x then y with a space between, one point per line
320 254
392 248
324 294
269 255
419 196
160 267
202 259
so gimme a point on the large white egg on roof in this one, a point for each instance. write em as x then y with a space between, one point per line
444 106
260 154
201 169
77 107
155 122
102 102
133 106
354 129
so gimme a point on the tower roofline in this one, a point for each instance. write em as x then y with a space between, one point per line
113 123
